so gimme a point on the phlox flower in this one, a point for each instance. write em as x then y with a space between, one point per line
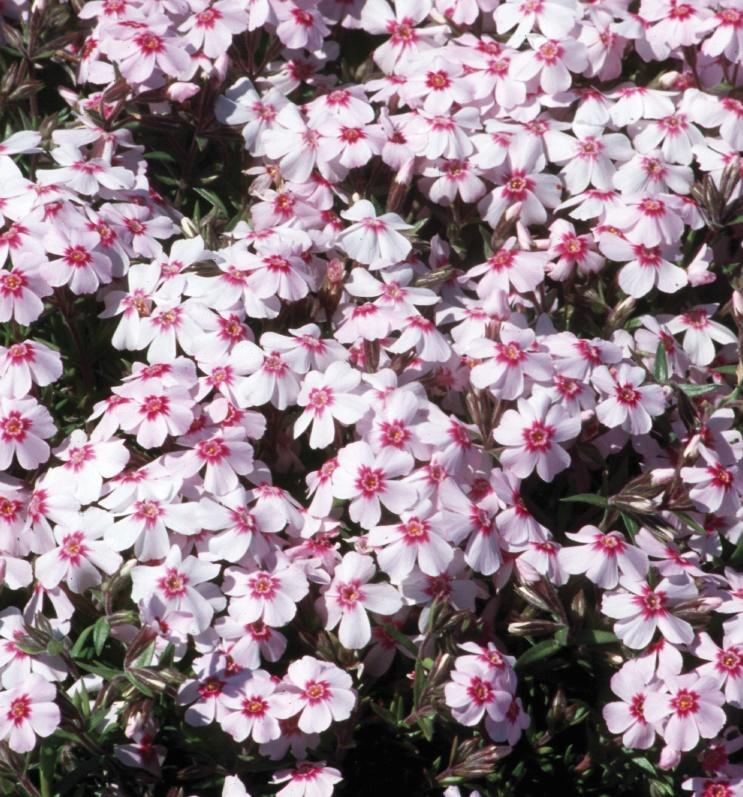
368 480
88 462
692 706
145 525
79 555
629 403
650 219
154 413
79 264
554 18
318 691
374 240
646 266
267 595
327 397
16 665
211 26
249 709
474 692
418 538
26 363
24 425
717 488
602 557
21 290
176 585
531 435
700 333
149 49
553 60
508 361
632 684
725 664
641 609
27 711
350 596
308 779
399 23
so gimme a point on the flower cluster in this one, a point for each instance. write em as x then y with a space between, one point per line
488 266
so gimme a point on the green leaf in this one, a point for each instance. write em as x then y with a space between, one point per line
101 632
586 498
47 762
696 390
81 642
425 723
539 652
400 638
590 636
213 200
660 371
140 685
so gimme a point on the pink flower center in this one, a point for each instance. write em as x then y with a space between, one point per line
349 594
73 547
637 707
19 709
211 688
152 406
510 354
148 511
212 451
652 604
685 702
320 398
480 691
549 52
538 436
696 319
263 585
730 661
627 394
173 583
415 531
14 426
438 81
254 706
12 283
149 43
208 18
316 691
370 481
651 207
77 256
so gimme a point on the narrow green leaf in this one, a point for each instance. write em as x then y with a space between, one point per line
586 498
540 651
696 390
101 632
81 642
660 371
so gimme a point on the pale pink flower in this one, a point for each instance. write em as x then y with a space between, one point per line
84 175
419 538
267 595
21 290
328 397
650 220
632 684
531 436
374 240
154 413
211 26
24 425
308 779
176 585
629 403
647 268
641 609
725 665
145 523
16 665
318 691
350 596
508 361
553 60
249 710
79 555
28 711
554 18
602 557
149 49
405 39
368 480
717 488
88 461
700 333
80 264
693 706
27 363
474 692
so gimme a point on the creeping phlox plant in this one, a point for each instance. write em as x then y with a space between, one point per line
369 397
